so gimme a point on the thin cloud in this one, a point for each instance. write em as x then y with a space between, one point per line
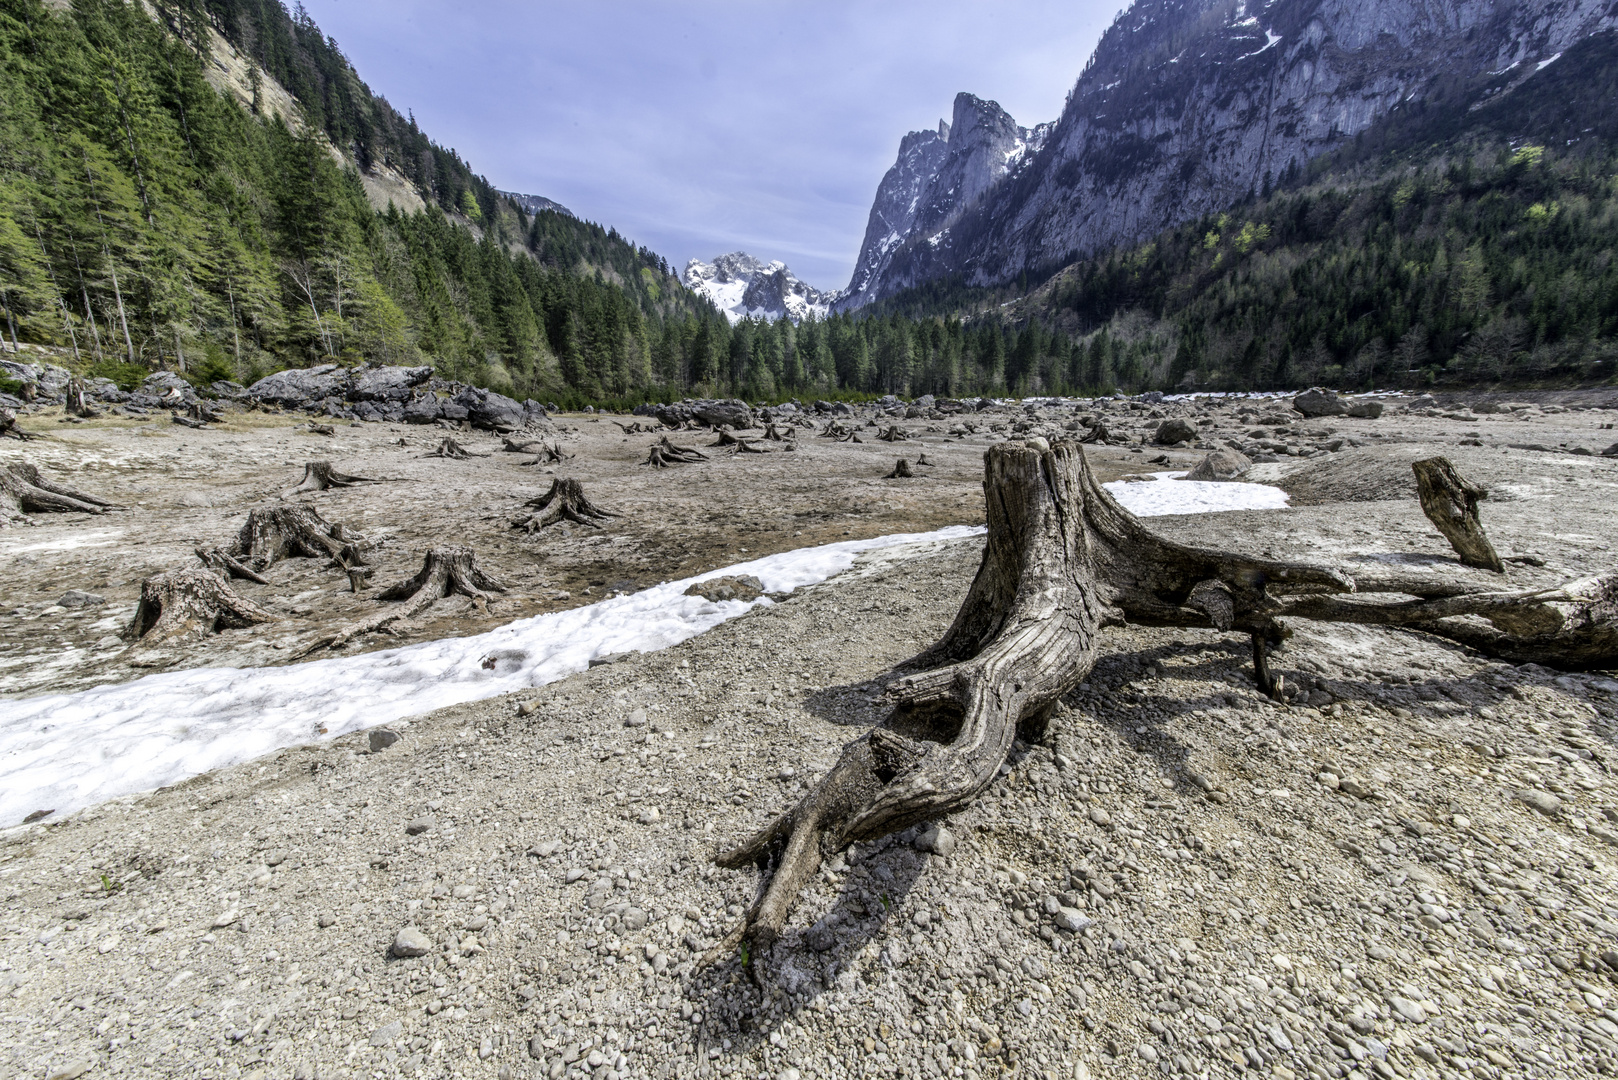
700 129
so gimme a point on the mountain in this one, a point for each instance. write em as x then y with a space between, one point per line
534 204
939 175
1186 108
744 287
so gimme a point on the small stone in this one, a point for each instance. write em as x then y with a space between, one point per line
107 944
385 1034
528 708
650 815
275 857
411 941
536 1047
545 849
573 875
382 738
1101 817
936 839
75 598
633 919
1410 1010
1543 801
1353 785
326 920
420 825
1071 919
1221 466
636 719
69 1072
225 918
743 587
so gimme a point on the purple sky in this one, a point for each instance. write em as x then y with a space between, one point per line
703 128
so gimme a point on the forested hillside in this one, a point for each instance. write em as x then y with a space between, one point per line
148 221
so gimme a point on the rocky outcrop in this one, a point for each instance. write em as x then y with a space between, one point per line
715 413
744 287
1187 107
410 395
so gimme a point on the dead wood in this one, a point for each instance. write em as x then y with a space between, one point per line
664 453
893 434
201 410
186 421
900 471
223 562
725 439
273 533
24 490
319 476
322 429
445 571
512 446
1063 561
189 603
922 460
548 455
9 428
637 428
775 434
449 448
78 400
565 501
1450 502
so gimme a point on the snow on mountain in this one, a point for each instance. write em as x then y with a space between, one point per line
742 287
533 204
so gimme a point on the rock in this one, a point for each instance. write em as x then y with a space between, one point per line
743 587
633 919
388 383
636 718
74 598
1073 919
1100 817
1364 408
385 1034
1409 1010
382 738
716 413
1611 451
298 387
225 918
650 815
489 410
1174 430
421 825
69 1072
545 849
1221 466
1353 785
936 839
1423 401
822 936
1318 402
423 409
411 941
1543 801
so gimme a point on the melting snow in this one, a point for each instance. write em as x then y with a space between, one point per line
1273 39
1543 64
1168 494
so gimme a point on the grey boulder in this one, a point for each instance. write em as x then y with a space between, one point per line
1174 430
1365 408
1318 402
489 410
300 386
390 383
1221 466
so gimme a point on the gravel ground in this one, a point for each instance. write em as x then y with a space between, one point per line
1410 871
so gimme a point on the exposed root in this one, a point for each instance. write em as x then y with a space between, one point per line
24 490
894 434
449 448
319 476
445 571
664 453
9 428
565 501
273 533
223 562
1450 502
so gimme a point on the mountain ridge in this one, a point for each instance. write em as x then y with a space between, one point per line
744 287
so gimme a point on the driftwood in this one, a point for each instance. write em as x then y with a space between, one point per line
565 501
322 429
664 453
24 490
186 421
189 603
548 455
1062 562
224 563
273 533
638 428
1450 502
319 476
445 571
900 471
449 448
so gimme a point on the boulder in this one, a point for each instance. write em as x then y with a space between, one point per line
1221 466
1365 408
487 409
388 383
733 412
1318 402
1611 451
225 388
1424 401
1174 430
299 387
714 590
424 409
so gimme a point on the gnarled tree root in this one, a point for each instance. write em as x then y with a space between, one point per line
223 562
189 603
893 434
1450 502
319 476
664 453
1063 561
273 533
449 448
445 571
23 489
9 428
565 501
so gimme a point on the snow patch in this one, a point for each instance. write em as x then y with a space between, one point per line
1543 64
1168 494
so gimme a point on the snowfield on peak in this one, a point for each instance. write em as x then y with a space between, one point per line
744 287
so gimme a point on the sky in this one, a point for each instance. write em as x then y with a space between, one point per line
707 127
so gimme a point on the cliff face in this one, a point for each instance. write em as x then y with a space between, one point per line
1188 105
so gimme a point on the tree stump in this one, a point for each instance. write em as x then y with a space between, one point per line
9 428
189 603
1062 562
725 439
449 448
565 501
664 453
23 489
78 400
893 434
774 434
273 533
201 410
225 564
1450 502
445 571
922 460
512 446
900 471
319 476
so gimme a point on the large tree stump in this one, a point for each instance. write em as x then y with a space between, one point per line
1450 502
445 571
24 490
189 603
449 448
319 476
77 401
1063 560
273 533
565 501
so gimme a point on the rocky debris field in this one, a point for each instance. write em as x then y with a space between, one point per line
1406 869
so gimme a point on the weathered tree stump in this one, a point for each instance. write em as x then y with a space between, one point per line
900 471
273 533
449 448
445 571
1097 434
664 453
1450 502
565 501
9 428
319 476
775 434
186 421
223 562
637 428
201 410
1062 562
78 400
24 490
725 439
893 434
922 460
189 603
322 429
512 446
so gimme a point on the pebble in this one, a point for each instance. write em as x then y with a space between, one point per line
75 598
382 738
637 718
1543 801
1100 817
1410 1010
411 941
69 1072
420 825
385 1034
633 919
936 839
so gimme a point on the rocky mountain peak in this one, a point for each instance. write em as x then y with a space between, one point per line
743 286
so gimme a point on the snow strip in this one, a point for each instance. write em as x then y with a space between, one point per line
68 751
1168 494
